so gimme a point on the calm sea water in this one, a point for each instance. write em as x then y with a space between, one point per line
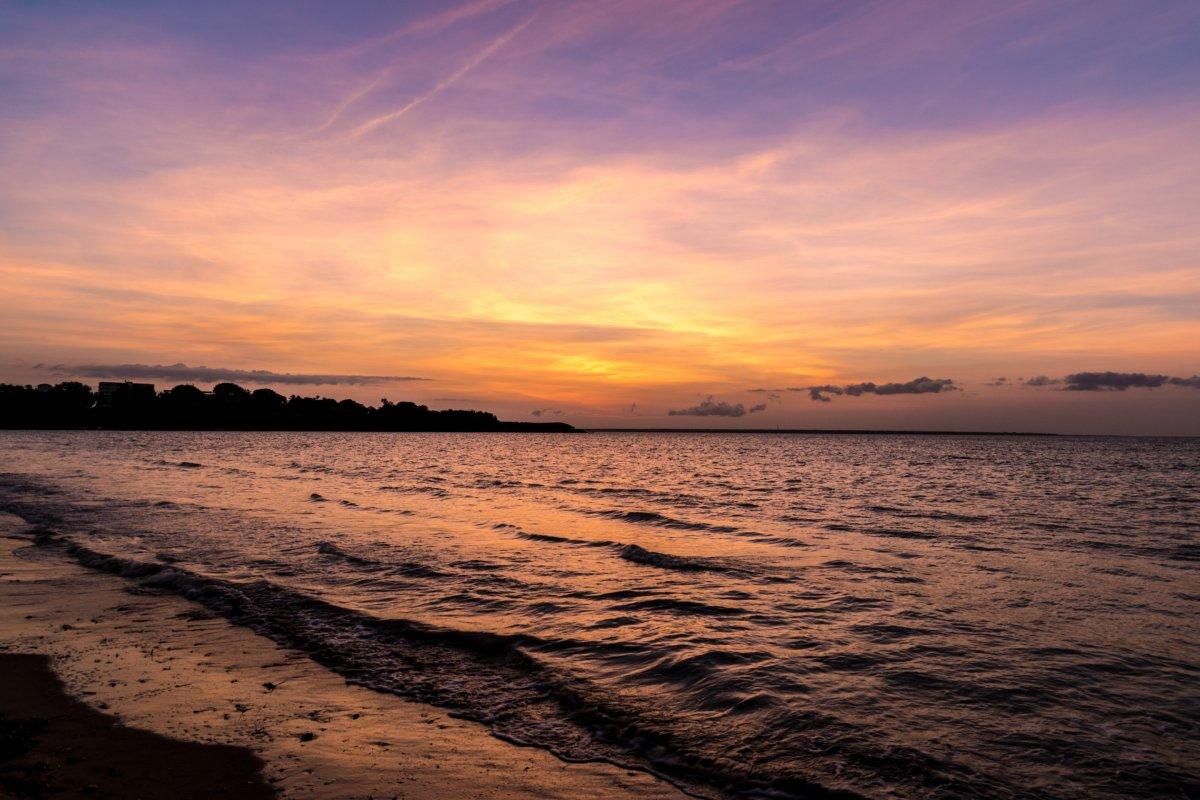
890 616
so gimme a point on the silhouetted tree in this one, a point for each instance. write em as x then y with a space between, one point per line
66 405
229 393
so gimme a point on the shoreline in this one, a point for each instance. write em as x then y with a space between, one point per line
167 667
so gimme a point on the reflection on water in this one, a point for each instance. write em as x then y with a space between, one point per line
888 615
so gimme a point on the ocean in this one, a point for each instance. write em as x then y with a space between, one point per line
745 615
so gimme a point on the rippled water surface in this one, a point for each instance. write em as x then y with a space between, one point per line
888 616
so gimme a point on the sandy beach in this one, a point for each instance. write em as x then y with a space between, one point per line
157 691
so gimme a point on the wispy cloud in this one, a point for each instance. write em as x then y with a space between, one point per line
438 88
425 26
358 94
182 372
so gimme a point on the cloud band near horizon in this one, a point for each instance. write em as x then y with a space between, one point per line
920 385
710 407
182 372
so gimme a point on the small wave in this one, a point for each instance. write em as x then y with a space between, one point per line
782 541
411 569
640 555
672 605
955 517
632 552
900 533
661 520
983 548
842 565
1185 552
498 483
330 549
311 468
950 516
615 622
546 537
884 633
478 565
435 491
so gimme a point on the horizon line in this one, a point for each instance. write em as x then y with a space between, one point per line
891 432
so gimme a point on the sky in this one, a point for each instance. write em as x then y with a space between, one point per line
919 215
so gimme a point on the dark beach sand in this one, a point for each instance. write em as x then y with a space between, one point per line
52 745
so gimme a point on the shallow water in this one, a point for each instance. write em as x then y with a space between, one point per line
913 617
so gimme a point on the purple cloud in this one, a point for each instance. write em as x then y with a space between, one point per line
1120 381
182 372
711 408
920 385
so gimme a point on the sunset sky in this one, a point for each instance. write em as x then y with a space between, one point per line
603 212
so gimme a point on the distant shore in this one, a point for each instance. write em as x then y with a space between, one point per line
504 427
831 431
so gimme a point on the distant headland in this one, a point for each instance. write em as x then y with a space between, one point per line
137 406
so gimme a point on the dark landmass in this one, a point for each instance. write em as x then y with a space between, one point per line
52 745
72 405
856 431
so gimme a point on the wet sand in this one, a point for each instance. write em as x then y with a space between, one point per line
164 667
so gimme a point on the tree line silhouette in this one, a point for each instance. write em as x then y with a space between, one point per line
71 405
